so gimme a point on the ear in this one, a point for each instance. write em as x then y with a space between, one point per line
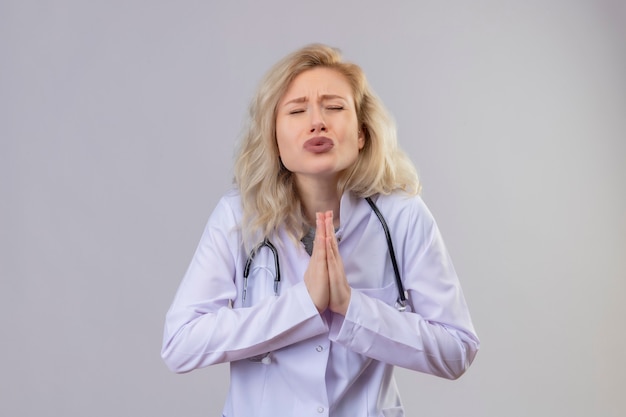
361 137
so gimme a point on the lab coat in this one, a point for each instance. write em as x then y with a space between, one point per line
321 364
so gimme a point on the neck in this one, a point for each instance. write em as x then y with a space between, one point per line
318 196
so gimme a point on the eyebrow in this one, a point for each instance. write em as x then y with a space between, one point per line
324 97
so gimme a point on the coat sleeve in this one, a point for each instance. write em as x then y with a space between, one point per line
202 328
435 335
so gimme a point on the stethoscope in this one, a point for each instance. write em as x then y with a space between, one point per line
402 296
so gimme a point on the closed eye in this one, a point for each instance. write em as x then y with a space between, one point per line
334 107
296 111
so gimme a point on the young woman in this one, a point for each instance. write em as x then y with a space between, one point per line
322 269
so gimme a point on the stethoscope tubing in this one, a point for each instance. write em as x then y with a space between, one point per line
246 271
392 254
402 296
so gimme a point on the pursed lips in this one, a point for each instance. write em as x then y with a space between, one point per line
319 144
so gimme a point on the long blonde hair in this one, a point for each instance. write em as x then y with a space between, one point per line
268 193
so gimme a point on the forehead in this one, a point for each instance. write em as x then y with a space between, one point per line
318 81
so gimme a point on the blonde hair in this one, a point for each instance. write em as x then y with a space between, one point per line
268 193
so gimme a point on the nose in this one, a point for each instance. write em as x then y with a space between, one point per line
317 121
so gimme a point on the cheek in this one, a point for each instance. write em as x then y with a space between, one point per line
280 136
286 136
281 143
284 149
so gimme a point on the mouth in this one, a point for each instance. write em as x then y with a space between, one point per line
319 144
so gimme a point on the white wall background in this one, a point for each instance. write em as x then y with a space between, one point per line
117 125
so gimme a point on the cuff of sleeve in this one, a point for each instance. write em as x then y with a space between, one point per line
300 292
342 327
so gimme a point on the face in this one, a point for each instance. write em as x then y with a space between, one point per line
316 125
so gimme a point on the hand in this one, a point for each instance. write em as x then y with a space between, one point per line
340 290
316 275
325 277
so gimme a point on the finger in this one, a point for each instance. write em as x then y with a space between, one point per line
340 290
319 246
316 275
331 248
320 225
335 264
